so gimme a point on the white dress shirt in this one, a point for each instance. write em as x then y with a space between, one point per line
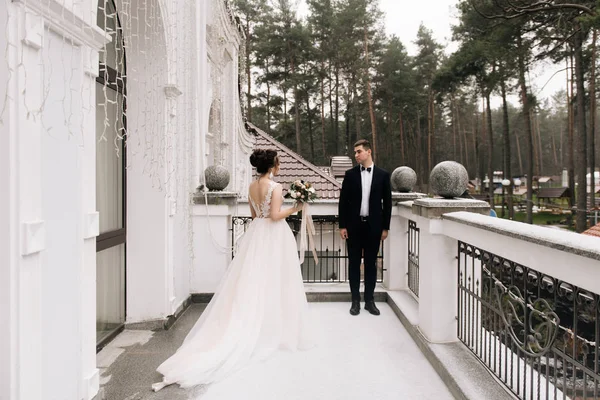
366 178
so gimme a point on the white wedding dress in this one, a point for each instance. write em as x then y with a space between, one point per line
259 307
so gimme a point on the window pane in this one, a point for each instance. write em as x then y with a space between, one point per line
110 290
109 158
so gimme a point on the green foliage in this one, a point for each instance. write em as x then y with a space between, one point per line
309 81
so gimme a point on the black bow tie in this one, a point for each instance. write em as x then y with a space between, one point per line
363 168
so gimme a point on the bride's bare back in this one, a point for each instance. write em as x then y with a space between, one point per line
266 199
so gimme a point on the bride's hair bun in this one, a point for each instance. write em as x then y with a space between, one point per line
263 160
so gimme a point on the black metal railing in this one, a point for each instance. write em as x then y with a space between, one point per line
537 334
331 249
413 257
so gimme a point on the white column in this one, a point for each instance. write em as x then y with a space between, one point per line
27 234
90 228
437 282
438 266
396 250
9 251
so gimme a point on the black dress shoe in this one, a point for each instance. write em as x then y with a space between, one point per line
370 307
355 309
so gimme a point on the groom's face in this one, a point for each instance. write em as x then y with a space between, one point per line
362 155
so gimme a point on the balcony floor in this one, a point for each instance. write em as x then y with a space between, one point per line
363 357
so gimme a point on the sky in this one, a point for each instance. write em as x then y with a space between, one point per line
402 18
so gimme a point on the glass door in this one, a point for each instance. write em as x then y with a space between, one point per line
110 180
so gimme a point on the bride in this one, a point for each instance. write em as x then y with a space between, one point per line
260 305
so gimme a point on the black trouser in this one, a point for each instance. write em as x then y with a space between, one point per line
358 241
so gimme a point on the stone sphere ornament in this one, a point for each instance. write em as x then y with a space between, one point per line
217 177
403 179
449 179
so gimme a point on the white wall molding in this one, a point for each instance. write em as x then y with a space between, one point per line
64 22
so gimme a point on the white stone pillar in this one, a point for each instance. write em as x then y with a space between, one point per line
438 267
27 228
90 228
396 246
9 250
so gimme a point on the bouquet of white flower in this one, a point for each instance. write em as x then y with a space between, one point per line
304 192
301 191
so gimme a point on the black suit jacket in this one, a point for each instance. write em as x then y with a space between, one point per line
380 200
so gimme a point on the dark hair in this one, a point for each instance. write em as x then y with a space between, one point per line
364 143
264 160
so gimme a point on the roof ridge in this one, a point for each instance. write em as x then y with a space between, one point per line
256 130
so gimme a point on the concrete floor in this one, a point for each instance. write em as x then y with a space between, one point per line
363 357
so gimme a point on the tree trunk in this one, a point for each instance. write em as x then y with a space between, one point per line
592 144
419 150
284 90
454 112
429 130
507 155
331 116
490 137
581 163
571 147
359 134
323 115
297 118
310 129
519 154
527 122
337 110
296 103
536 159
331 113
388 128
349 108
541 149
402 159
370 98
268 99
432 140
554 153
478 146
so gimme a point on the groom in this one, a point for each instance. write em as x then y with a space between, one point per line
365 211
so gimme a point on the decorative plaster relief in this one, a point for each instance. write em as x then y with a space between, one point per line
90 60
34 237
34 31
91 225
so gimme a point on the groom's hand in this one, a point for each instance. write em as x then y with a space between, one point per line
384 235
344 233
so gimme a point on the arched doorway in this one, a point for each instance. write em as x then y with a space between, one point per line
111 127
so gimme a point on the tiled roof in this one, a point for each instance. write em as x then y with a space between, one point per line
554 193
293 166
593 231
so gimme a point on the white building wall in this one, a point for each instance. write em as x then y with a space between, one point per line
8 226
48 214
62 212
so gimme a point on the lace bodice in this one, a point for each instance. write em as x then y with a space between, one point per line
264 210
